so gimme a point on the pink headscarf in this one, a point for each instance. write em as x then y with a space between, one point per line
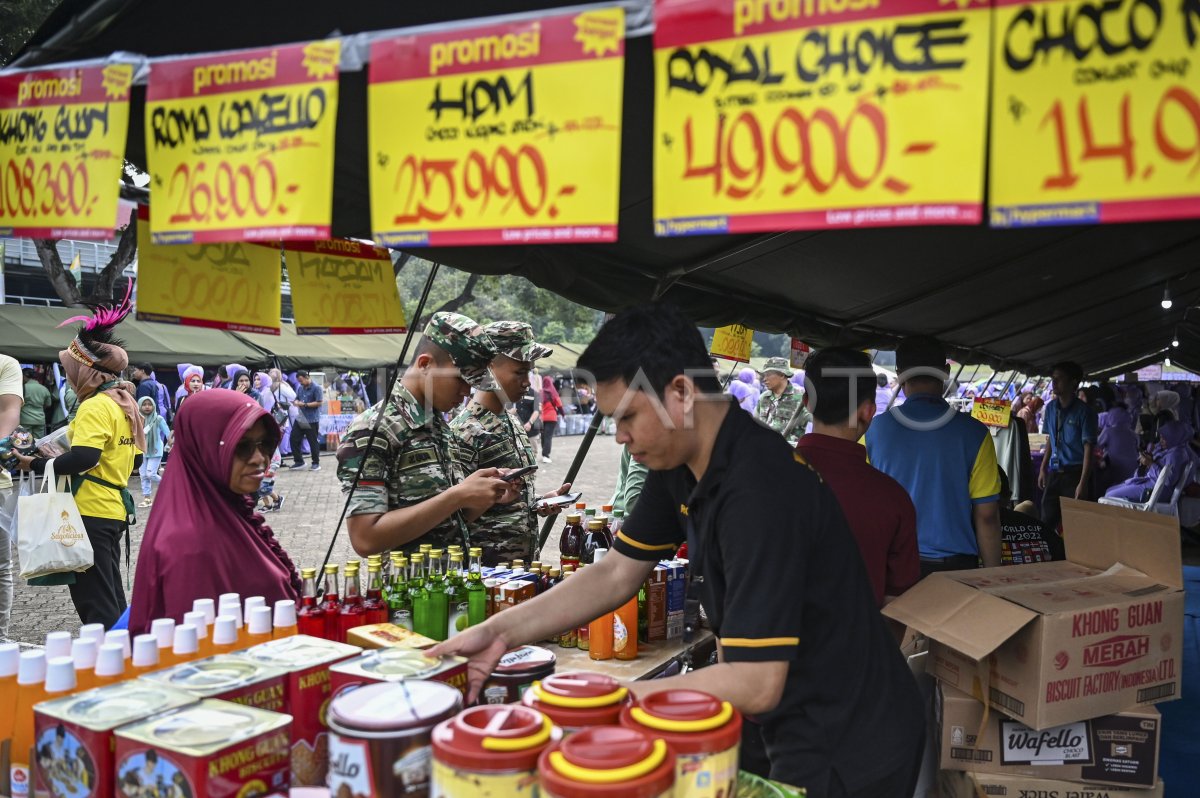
202 539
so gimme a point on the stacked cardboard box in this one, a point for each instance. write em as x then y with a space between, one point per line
666 590
1067 655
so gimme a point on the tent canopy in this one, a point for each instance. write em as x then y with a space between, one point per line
1019 298
32 334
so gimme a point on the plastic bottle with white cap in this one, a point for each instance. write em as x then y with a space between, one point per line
60 677
203 632
10 657
208 607
147 656
284 619
121 638
95 631
187 643
225 636
250 603
233 608
31 684
110 664
230 597
58 644
258 626
83 652
163 630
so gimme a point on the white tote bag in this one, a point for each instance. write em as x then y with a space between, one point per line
50 534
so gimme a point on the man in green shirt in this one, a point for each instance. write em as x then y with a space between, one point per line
780 402
37 404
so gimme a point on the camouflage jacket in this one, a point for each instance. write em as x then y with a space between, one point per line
777 411
483 439
409 462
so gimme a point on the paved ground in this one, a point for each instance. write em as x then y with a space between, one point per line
305 525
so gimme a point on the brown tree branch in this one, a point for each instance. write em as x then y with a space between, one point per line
63 282
466 296
126 251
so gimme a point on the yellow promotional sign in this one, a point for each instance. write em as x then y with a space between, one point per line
818 114
339 283
62 148
732 342
226 286
507 133
993 412
240 144
1095 112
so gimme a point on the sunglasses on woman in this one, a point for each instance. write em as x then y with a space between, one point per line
245 449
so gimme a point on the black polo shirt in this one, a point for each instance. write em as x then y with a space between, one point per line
783 580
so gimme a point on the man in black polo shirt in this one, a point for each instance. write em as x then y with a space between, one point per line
803 647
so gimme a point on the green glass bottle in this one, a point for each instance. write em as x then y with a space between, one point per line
439 599
418 594
476 592
399 601
458 617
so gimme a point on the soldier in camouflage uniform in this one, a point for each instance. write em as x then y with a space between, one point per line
781 401
411 490
488 435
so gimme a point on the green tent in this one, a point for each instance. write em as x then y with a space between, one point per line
359 352
31 334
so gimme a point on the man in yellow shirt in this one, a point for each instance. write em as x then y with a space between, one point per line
107 442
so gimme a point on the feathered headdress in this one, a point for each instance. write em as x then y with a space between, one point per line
92 342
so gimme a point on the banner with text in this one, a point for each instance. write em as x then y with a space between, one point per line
1095 112
340 282
818 114
226 285
992 412
732 342
506 133
62 148
240 144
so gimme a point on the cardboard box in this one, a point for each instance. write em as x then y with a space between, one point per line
656 606
308 685
386 635
1119 749
954 784
214 749
676 596
1057 642
75 735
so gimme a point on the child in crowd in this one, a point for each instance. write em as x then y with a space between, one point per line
266 493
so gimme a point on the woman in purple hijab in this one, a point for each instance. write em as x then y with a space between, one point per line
1120 445
747 377
262 384
203 537
1175 451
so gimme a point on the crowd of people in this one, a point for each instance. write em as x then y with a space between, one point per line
829 486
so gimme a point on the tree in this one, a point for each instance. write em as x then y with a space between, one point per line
19 20
488 298
69 291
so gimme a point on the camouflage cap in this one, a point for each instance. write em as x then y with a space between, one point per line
778 364
467 344
515 339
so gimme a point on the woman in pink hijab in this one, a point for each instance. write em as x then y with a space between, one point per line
552 407
204 538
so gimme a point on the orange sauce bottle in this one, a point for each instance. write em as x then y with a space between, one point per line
284 620
203 632
110 665
10 657
83 651
146 655
31 689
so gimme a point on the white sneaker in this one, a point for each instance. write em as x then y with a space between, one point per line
545 459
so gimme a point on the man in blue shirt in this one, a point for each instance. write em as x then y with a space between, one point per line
307 424
1071 429
944 459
